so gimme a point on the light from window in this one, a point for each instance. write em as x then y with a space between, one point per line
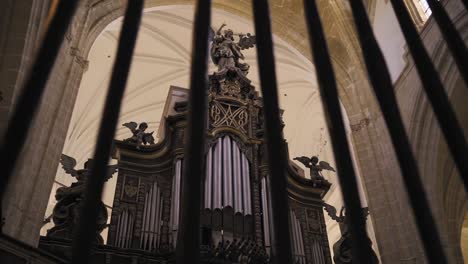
425 7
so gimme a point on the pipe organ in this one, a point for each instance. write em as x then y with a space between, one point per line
235 210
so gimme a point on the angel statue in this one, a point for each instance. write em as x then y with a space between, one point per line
226 52
66 211
315 169
342 251
140 137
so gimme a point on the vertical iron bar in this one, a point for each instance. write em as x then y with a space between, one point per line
383 89
329 94
31 94
454 41
435 91
85 234
188 240
465 2
275 142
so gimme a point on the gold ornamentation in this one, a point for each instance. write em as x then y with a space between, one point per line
131 191
131 187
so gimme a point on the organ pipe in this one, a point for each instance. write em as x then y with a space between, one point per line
159 221
152 214
171 219
294 235
227 172
266 214
174 221
124 229
297 241
317 252
246 185
143 234
237 171
217 202
227 180
117 233
150 231
129 232
209 179
300 242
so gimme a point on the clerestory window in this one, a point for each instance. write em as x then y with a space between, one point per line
425 8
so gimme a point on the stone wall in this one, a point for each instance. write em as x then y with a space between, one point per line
442 181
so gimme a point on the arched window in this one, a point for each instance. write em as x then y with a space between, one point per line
425 8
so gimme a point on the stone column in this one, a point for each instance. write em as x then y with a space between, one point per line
28 192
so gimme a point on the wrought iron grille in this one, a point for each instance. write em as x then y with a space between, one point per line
188 245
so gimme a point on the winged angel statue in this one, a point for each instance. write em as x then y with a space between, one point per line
226 52
140 137
82 175
342 250
315 166
66 211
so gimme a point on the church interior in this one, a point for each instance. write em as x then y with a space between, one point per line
140 215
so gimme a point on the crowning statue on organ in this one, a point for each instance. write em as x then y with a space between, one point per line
235 212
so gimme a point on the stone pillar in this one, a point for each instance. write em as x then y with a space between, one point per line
28 192
18 40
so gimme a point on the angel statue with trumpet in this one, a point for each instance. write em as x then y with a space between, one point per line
226 52
315 166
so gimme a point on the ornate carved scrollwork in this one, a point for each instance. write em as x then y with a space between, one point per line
230 87
228 114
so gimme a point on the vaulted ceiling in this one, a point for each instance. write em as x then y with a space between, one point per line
162 58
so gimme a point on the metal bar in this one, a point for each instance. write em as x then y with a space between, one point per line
275 143
435 91
454 41
329 94
188 240
86 230
383 89
30 96
465 2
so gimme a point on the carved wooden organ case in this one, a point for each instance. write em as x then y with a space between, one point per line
235 197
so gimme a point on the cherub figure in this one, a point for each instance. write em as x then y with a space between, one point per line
140 137
66 211
315 166
226 53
